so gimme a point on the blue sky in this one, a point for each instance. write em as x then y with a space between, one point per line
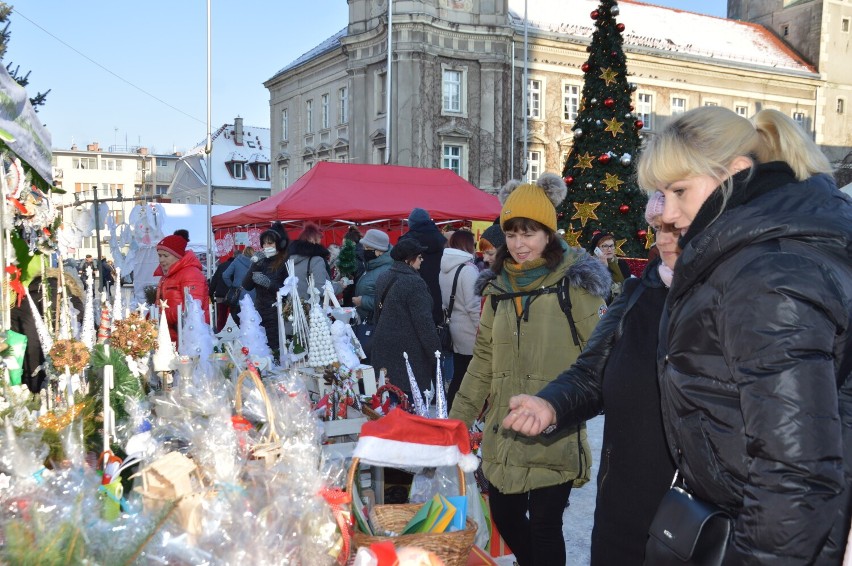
98 56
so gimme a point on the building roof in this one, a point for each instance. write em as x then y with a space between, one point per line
254 149
659 29
329 44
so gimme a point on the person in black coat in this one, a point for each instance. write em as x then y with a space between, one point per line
422 229
617 374
218 289
403 322
266 276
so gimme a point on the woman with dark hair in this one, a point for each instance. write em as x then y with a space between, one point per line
603 246
266 277
458 278
403 319
310 257
543 299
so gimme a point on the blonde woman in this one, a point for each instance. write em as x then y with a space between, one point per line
756 350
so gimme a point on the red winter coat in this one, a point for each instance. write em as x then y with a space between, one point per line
186 273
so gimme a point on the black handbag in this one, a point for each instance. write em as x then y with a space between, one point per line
232 297
445 337
687 530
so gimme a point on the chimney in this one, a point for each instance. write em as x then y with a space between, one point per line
93 147
238 130
142 150
73 147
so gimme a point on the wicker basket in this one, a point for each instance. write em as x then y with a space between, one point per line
269 447
453 548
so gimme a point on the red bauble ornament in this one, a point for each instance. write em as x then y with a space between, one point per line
595 14
569 180
613 54
604 158
585 67
641 234
623 209
609 103
245 351
639 124
619 27
560 215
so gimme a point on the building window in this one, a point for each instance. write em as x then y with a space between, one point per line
570 102
261 171
452 158
711 103
84 163
534 164
799 118
452 91
162 162
841 105
645 109
236 169
785 30
343 157
381 89
111 164
309 116
678 106
741 110
534 99
284 173
309 165
325 111
844 25
161 189
285 125
343 105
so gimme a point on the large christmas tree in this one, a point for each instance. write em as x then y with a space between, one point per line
600 170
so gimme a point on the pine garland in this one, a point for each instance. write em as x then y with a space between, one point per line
127 385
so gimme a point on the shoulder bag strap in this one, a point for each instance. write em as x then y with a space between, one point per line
378 310
453 292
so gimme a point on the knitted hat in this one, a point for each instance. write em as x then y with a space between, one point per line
418 216
406 249
654 209
174 245
494 235
534 201
376 240
404 440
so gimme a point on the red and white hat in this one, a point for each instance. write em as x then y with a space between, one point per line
401 439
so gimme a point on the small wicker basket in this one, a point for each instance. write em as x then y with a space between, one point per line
269 447
453 547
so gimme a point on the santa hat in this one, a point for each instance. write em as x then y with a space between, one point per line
401 439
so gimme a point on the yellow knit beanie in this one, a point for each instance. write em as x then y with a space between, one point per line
536 201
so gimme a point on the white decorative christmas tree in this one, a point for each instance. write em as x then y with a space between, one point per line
229 333
421 405
197 337
165 354
117 308
87 332
252 334
320 344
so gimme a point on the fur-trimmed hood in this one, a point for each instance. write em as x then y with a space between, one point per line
584 272
308 249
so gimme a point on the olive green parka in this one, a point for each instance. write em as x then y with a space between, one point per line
513 355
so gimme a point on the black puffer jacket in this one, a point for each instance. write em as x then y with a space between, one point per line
755 365
617 373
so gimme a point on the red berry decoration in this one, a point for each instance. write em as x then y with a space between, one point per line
603 158
609 103
585 67
639 124
623 209
569 180
595 14
245 351
619 27
642 234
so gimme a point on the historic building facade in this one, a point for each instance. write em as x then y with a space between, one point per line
454 94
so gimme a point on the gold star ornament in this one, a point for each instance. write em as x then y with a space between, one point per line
650 238
611 182
584 161
585 211
614 126
618 244
608 75
572 237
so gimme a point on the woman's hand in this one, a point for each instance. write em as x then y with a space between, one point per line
356 301
529 415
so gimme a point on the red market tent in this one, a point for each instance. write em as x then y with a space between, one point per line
337 195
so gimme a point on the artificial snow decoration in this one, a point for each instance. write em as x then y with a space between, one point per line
344 347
